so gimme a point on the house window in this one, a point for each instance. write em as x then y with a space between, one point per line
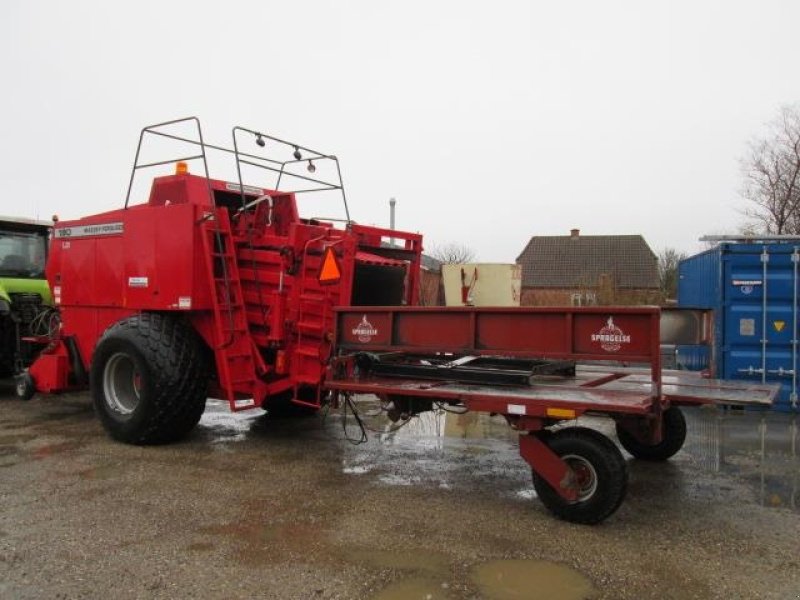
583 299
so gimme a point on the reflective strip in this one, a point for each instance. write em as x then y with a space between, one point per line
561 413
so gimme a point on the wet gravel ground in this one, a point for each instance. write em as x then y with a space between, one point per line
254 506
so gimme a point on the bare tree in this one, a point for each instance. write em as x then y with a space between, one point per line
668 261
772 175
452 253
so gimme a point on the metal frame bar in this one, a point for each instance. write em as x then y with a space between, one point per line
316 156
240 157
151 129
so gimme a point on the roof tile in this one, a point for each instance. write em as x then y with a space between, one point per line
567 261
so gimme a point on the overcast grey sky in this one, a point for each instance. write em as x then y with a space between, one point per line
489 122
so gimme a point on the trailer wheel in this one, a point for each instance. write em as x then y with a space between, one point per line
601 473
149 379
24 386
674 435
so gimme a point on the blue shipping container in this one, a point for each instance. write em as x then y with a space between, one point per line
691 357
753 290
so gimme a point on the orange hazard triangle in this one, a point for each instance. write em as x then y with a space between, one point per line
779 325
330 272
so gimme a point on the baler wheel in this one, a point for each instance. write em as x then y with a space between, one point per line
149 379
24 386
674 435
601 472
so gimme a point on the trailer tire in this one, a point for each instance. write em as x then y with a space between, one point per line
602 471
674 435
149 379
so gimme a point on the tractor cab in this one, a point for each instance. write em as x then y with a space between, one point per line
25 299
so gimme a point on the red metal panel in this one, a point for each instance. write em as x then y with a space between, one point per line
548 465
608 333
543 333
450 331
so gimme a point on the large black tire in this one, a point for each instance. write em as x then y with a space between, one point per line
149 379
601 470
674 435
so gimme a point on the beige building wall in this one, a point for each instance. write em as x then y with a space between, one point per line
489 284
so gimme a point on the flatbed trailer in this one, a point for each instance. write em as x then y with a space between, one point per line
539 368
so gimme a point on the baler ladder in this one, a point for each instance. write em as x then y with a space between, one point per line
312 314
236 363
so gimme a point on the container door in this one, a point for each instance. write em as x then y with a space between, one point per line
760 323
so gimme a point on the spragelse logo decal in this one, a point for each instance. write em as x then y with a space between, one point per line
364 331
611 337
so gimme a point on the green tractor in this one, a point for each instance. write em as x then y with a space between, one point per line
26 305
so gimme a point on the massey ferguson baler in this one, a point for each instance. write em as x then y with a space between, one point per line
219 289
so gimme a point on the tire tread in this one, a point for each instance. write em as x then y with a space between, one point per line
612 474
171 349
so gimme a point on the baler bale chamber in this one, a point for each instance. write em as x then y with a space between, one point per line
222 281
220 289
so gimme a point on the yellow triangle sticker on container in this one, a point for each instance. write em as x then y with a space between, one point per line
330 272
779 325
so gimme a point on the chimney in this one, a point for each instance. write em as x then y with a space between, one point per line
574 233
392 203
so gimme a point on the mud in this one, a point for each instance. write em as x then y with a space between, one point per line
253 506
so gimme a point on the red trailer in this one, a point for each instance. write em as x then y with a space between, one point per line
220 289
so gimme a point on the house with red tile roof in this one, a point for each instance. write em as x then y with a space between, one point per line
588 270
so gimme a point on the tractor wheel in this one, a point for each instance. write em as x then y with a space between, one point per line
149 379
600 470
24 386
674 430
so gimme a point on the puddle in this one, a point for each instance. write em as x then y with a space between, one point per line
414 589
762 449
438 449
436 425
532 580
452 451
224 426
